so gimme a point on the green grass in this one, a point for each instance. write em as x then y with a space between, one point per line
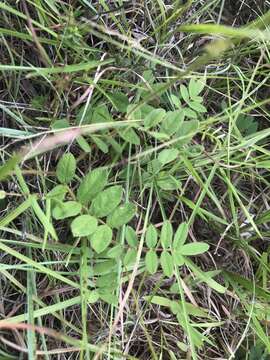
134 180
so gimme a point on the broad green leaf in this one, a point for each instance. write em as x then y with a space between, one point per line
193 248
172 122
130 257
60 124
107 281
121 215
180 235
168 155
101 114
154 118
197 107
83 225
106 201
66 209
189 113
195 87
101 238
168 182
167 263
115 252
57 193
105 267
91 185
178 258
166 234
184 93
119 101
154 166
151 236
130 136
151 261
188 130
66 168
131 236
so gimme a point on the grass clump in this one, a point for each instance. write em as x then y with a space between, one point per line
134 180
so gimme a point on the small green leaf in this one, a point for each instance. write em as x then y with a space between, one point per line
83 144
192 88
158 135
154 118
60 124
107 281
66 168
101 238
166 234
131 236
2 194
168 155
176 101
195 87
192 249
101 114
168 183
151 261
189 113
91 185
184 93
66 209
188 129
83 225
9 165
130 136
105 267
180 235
100 144
58 192
263 164
106 201
178 258
159 300
121 215
167 263
172 122
134 112
120 101
197 107
130 257
151 236
206 277
115 252
93 297
108 297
